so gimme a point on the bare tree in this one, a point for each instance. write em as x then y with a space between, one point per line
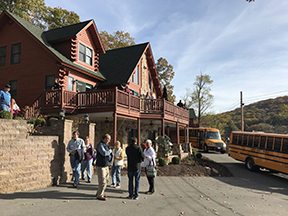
200 98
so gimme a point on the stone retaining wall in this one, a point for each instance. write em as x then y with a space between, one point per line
26 162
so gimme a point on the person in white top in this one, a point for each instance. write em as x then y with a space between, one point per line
117 164
149 159
74 148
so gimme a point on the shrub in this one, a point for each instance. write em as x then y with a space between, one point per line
175 160
162 162
40 121
5 115
164 145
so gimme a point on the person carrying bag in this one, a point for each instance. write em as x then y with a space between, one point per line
150 165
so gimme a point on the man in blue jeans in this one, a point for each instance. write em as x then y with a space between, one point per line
134 157
74 147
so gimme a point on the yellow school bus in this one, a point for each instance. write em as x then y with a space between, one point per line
260 150
204 138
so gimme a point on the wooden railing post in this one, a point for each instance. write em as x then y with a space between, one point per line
62 98
116 98
129 101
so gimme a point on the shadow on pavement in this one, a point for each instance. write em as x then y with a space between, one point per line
59 193
258 182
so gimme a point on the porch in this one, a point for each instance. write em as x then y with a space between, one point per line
107 100
116 112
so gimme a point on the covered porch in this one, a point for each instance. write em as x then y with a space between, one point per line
116 112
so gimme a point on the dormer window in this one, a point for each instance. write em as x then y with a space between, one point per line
85 54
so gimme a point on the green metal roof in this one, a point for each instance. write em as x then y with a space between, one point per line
64 33
117 65
40 35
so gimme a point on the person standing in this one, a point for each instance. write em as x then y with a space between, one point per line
149 160
15 109
135 157
118 161
75 148
5 98
87 162
103 159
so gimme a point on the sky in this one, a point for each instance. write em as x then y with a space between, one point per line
242 46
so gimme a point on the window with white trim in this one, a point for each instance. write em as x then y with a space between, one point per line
85 54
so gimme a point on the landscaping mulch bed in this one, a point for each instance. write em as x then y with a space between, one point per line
191 167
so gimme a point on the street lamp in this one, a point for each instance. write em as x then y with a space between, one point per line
62 114
86 118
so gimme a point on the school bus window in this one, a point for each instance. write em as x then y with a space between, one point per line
250 141
262 142
239 140
269 145
234 139
285 145
277 144
256 141
245 139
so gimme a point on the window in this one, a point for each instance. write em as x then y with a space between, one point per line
85 54
245 139
277 144
15 53
234 139
285 145
250 141
135 76
262 142
240 139
82 86
134 93
49 82
269 146
13 89
150 82
70 83
2 56
256 141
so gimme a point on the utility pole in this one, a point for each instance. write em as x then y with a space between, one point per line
242 111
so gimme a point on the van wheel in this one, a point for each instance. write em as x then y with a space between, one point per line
205 148
250 164
222 151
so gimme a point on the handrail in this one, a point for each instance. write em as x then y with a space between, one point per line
104 98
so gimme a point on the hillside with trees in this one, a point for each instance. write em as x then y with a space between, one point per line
268 116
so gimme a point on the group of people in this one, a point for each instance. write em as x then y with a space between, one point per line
105 156
7 103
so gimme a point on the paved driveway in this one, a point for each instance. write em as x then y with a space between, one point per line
245 194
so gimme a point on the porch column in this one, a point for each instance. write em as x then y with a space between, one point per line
162 127
114 127
177 133
138 129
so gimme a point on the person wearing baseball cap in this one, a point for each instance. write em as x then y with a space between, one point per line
5 98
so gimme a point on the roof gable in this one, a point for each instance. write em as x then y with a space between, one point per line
64 33
39 35
92 29
117 65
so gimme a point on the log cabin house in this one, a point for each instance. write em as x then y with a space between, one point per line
89 79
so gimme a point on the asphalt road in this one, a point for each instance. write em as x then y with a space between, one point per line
246 193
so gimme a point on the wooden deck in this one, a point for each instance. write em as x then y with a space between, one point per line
107 100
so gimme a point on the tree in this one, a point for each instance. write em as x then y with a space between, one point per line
36 12
200 98
58 17
30 10
117 40
166 74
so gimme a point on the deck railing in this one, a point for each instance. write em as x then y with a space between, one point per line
95 98
113 98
